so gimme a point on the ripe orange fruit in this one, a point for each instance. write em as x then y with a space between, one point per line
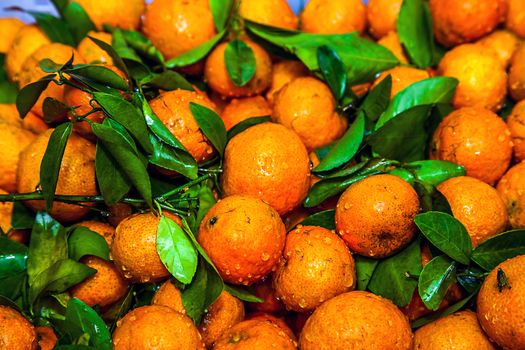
457 331
503 42
9 28
118 212
244 237
477 139
270 304
103 229
382 16
124 14
76 177
517 74
511 189
241 109
169 295
9 115
47 338
80 100
333 16
315 267
402 77
477 205
391 41
16 333
516 17
482 78
91 52
356 320
275 13
375 216
282 73
216 75
307 106
6 211
501 306
261 316
516 125
155 326
460 21
264 160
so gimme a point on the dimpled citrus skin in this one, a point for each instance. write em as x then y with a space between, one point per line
382 16
156 327
516 125
255 335
282 73
9 28
375 216
275 13
104 288
476 138
265 160
503 42
47 338
511 189
306 105
391 41
502 313
459 21
279 321
241 109
482 78
173 109
402 77
356 320
16 333
91 52
224 313
177 26
315 267
124 14
516 17
216 75
169 295
9 115
76 176
6 211
105 230
517 74
333 16
244 237
13 140
459 331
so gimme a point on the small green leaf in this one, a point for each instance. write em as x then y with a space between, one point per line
142 45
54 110
48 66
240 62
324 219
56 29
434 172
22 218
78 21
333 70
117 60
377 99
245 124
435 279
168 81
206 201
244 294
221 10
448 311
99 74
364 268
13 257
83 241
171 158
112 181
30 93
499 248
195 54
211 125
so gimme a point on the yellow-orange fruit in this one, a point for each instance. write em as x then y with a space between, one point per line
224 313
9 115
501 306
279 321
517 74
169 295
16 333
217 77
391 41
516 125
9 28
382 16
177 26
503 43
105 230
477 139
264 160
270 304
76 177
6 211
375 216
460 21
282 73
241 109
333 16
81 101
275 13
91 52
315 267
511 189
516 17
118 212
124 14
156 327
47 338
244 237
307 106
356 320
482 78
13 140
402 77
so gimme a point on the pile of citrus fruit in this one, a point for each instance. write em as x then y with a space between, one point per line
230 175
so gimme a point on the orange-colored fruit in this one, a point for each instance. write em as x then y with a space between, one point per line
261 316
156 327
503 42
501 306
517 74
356 320
282 73
511 189
124 14
9 115
9 28
382 16
333 16
307 106
118 212
516 17
244 237
391 41
177 26
241 109
270 304
516 125
81 101
103 229
315 267
16 333
275 13
459 331
47 338
482 78
265 160
169 295
217 77
375 216
460 21
91 52
6 211
477 139
402 77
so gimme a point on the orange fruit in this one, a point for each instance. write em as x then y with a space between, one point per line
270 304
375 216
76 177
511 189
382 16
459 331
261 316
156 327
9 115
282 73
333 16
224 313
516 125
264 160
81 101
460 21
241 109
244 237
275 13
391 41
9 28
356 320
315 267
103 229
517 74
118 212
169 295
6 211
482 78
402 77
91 52
16 333
124 14
503 42
177 26
501 307
306 105
477 139
47 338
216 75
516 17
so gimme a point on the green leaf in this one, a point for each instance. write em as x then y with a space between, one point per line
55 29
244 294
499 248
48 66
206 201
447 234
99 74
434 172
142 45
245 124
112 181
395 278
83 241
332 69
117 60
221 10
364 268
435 279
13 257
167 80
324 219
170 158
211 125
54 110
8 92
377 99
78 21
122 48
50 166
240 62
22 218
30 93
196 54
448 311
60 5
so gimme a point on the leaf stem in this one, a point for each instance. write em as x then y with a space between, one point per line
183 188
